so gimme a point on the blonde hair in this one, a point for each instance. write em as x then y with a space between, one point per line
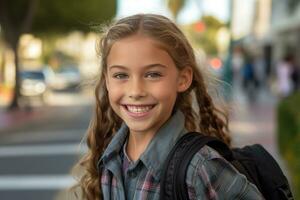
204 117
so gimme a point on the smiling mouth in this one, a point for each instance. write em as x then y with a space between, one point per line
138 109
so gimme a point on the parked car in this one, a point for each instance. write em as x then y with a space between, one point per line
67 77
33 84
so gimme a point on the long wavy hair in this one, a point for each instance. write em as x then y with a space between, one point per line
196 104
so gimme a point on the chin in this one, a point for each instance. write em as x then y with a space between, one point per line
138 129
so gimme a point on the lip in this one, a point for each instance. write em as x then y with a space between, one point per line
135 115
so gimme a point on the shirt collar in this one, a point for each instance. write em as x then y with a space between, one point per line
158 149
115 145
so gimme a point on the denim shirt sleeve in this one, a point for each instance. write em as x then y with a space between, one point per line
210 176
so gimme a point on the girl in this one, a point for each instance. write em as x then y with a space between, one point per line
143 106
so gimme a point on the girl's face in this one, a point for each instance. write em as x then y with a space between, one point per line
142 82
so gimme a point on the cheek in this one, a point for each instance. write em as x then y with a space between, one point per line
113 95
114 100
114 92
166 92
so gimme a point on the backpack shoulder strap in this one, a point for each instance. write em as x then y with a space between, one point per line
173 184
249 160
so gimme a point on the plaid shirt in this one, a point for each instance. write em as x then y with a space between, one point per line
209 175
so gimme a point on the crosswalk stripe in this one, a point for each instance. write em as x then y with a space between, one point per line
44 182
44 136
38 150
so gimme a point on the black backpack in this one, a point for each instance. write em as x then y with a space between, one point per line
249 160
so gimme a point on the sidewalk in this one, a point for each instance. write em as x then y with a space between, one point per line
255 122
12 119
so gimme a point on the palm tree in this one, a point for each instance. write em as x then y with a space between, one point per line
175 6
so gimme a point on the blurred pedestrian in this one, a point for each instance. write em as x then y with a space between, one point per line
284 76
249 80
295 76
237 65
259 71
143 106
248 72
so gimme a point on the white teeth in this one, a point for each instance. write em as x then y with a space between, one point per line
139 109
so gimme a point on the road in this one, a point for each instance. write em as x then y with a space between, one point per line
36 158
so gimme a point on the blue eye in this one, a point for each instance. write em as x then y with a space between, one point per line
120 76
153 75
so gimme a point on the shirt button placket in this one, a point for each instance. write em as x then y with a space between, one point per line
132 174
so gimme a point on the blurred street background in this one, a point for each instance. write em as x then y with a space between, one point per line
48 65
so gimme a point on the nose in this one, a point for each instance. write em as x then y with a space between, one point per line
136 89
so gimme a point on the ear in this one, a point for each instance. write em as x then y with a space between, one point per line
185 79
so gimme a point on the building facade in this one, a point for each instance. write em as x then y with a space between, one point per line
285 29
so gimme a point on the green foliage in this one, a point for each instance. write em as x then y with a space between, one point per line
16 11
175 6
288 121
207 40
58 16
65 15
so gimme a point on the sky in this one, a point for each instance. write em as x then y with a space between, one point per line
192 11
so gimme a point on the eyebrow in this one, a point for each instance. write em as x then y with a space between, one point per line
146 66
